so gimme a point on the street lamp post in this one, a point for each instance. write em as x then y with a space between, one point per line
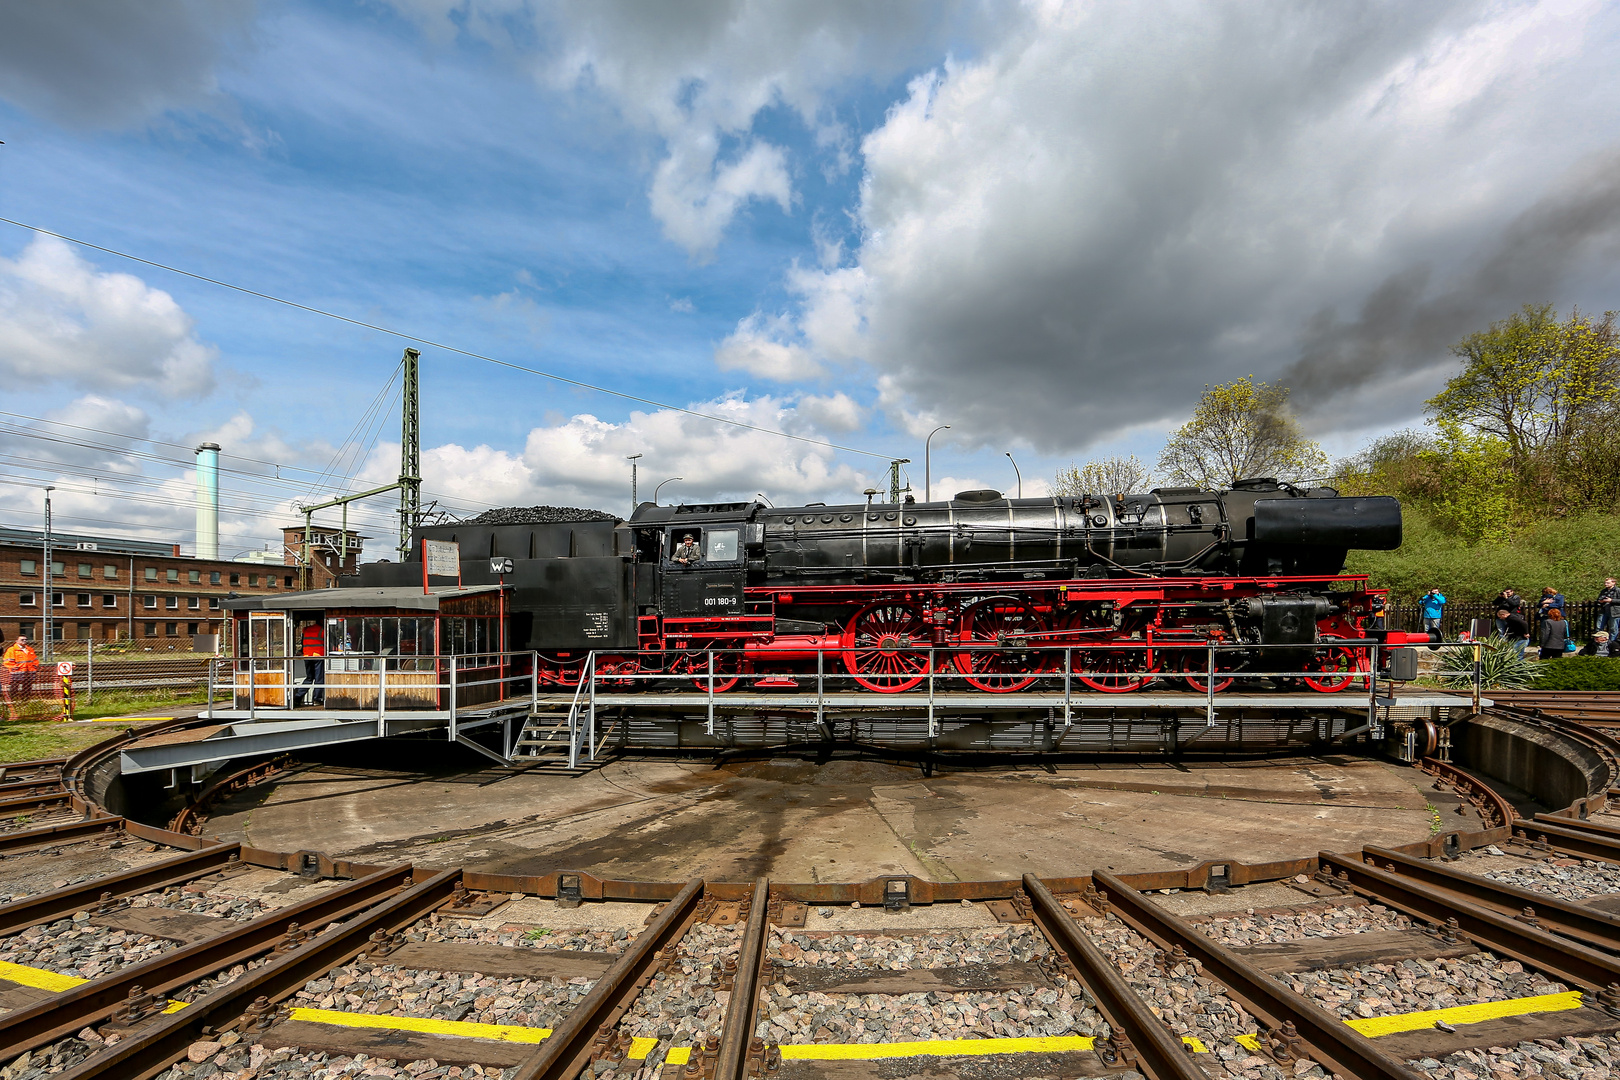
1017 474
632 459
661 484
928 478
50 592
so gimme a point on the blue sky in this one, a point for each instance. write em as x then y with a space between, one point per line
1046 225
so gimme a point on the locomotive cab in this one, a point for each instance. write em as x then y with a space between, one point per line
709 584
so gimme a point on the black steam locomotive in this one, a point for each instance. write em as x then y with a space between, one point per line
1116 589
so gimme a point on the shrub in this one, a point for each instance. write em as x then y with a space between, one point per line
1579 673
1501 667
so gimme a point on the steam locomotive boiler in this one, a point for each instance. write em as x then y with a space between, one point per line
1114 590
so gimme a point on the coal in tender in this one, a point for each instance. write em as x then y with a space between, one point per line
537 515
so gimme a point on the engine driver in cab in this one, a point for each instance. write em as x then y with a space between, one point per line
686 552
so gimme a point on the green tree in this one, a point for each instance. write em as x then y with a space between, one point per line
1240 430
1541 387
1104 475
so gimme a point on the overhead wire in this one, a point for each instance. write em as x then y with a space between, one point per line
406 336
360 426
179 462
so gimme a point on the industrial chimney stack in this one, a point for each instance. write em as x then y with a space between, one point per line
208 501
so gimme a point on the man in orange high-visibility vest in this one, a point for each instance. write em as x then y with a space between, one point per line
312 647
17 669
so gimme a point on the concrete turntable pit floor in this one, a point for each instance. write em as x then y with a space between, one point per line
843 820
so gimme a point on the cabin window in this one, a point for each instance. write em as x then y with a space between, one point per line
388 636
720 545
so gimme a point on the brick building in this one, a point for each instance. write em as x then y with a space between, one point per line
332 553
107 588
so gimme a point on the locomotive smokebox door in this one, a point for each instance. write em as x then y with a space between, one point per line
1289 622
709 581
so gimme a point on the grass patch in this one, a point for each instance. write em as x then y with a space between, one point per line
121 702
27 740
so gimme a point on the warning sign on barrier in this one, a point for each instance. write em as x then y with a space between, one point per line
64 669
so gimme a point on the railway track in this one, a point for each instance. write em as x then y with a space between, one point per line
1598 707
165 954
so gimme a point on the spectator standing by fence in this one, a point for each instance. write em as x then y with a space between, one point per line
1609 607
1554 634
1513 628
1509 601
1552 599
1433 604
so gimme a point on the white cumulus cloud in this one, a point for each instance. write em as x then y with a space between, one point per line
62 319
757 347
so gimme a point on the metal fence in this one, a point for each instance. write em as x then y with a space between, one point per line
1458 618
130 667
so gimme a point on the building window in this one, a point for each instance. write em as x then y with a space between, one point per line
213 577
57 569
58 599
56 631
191 629
85 569
149 602
84 631
253 581
110 572
151 629
194 576
26 629
269 581
236 579
287 581
169 629
85 599
27 599
109 600
172 603
194 603
28 567
213 603
151 573
174 573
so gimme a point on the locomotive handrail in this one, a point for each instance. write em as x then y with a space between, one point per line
940 670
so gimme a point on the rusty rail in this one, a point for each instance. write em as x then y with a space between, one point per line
1495 812
1333 1044
150 1050
67 1012
565 1052
1573 838
44 907
1583 923
59 798
1160 1053
72 833
736 1037
1563 959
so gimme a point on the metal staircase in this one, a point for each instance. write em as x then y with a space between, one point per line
545 741
559 739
